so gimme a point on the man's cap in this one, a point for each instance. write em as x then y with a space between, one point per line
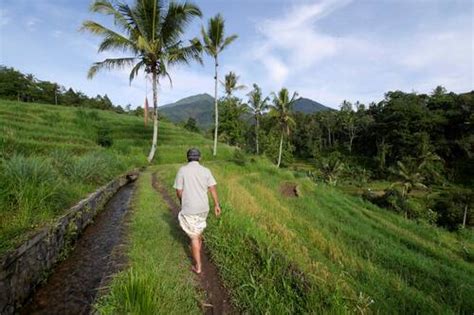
193 153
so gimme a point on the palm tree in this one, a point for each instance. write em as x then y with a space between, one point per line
258 106
331 168
151 33
410 177
282 112
231 84
214 43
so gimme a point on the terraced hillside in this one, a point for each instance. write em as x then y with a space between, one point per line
51 158
283 244
312 248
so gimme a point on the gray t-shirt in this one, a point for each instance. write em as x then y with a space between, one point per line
195 180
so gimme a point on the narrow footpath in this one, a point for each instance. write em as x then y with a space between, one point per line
218 299
73 286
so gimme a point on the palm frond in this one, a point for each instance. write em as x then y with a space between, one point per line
106 7
135 70
228 41
110 63
180 55
178 17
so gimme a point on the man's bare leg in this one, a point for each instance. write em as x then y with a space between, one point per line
196 243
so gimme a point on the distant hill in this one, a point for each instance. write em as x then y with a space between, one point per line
307 106
201 108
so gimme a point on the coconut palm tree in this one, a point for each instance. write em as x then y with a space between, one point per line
151 33
410 177
231 84
258 105
214 43
281 110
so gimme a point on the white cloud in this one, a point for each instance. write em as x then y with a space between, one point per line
297 53
291 43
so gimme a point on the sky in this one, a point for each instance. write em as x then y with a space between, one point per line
326 50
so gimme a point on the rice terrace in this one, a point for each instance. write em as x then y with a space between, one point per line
236 157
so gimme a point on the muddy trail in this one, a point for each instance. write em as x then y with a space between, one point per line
217 297
74 283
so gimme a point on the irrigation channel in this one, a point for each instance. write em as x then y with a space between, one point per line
74 283
217 297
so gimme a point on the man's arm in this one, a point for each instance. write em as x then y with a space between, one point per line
179 194
217 206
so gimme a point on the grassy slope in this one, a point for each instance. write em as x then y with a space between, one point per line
49 159
328 251
323 251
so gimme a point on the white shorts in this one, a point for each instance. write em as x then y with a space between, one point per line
193 224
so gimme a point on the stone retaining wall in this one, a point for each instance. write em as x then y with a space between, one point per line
23 268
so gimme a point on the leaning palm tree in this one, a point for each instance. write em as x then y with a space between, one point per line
231 84
281 110
258 105
214 43
151 33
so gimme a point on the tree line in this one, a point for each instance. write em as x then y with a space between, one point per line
421 142
21 87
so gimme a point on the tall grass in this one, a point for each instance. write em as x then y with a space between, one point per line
158 280
50 158
328 252
29 185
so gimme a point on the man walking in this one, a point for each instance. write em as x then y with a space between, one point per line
192 183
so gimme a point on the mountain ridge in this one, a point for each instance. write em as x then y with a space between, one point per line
201 108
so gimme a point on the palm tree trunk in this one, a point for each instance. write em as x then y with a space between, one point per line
281 149
155 118
256 132
464 217
216 111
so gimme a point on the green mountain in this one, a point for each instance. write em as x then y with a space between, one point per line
307 106
201 108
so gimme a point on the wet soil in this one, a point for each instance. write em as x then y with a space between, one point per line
289 190
74 283
217 296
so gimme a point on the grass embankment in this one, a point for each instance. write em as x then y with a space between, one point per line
158 280
326 251
50 158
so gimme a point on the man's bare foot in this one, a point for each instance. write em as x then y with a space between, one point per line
196 270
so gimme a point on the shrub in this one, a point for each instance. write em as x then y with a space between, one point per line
357 175
30 186
330 169
239 157
104 137
451 207
95 168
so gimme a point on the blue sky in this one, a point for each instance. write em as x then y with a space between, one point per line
327 50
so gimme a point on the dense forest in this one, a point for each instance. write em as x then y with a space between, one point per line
421 146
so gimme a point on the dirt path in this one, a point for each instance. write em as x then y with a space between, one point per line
74 283
218 301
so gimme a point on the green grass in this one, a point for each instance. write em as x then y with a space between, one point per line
159 280
50 159
329 252
323 252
